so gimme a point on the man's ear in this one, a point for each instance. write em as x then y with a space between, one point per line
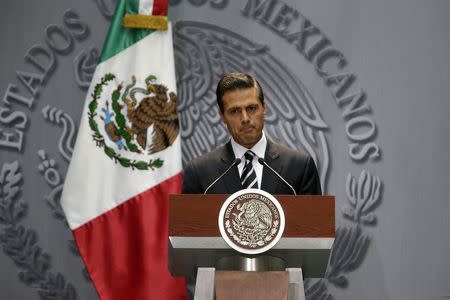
221 115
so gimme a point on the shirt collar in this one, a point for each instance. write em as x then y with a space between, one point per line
259 148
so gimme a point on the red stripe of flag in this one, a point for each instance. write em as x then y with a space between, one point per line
160 7
126 249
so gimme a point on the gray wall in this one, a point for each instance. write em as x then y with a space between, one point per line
386 161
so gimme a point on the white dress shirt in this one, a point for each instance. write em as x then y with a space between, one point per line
259 149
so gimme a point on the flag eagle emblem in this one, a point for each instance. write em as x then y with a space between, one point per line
139 120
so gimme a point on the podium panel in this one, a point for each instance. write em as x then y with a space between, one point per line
195 239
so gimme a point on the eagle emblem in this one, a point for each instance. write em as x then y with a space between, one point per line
254 214
140 120
251 221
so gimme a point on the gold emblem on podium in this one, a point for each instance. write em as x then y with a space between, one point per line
251 221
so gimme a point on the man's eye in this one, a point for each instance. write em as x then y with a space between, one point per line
252 109
233 111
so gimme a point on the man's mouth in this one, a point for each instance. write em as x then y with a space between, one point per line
247 129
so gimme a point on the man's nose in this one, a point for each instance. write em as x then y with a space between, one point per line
244 117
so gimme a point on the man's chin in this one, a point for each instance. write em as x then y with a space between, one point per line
248 143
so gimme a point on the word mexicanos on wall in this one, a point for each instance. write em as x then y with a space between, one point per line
329 63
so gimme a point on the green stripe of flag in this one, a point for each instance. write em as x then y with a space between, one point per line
132 6
119 38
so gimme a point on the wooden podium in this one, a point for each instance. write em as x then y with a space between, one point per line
196 243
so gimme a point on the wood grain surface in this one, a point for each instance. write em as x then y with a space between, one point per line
306 216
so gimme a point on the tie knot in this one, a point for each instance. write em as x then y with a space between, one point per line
249 155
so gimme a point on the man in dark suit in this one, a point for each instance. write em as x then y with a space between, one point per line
241 106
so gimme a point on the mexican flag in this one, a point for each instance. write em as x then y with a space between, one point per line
127 159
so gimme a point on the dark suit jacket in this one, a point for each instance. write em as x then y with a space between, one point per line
296 167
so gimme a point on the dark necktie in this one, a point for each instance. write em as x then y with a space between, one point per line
248 177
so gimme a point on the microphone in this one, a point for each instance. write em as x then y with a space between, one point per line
263 162
235 163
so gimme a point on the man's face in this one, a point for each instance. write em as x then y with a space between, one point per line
243 114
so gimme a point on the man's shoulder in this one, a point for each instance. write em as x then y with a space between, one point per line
214 155
284 151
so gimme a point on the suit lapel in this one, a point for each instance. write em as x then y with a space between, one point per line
272 158
231 180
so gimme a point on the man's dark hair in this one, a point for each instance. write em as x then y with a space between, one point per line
237 81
